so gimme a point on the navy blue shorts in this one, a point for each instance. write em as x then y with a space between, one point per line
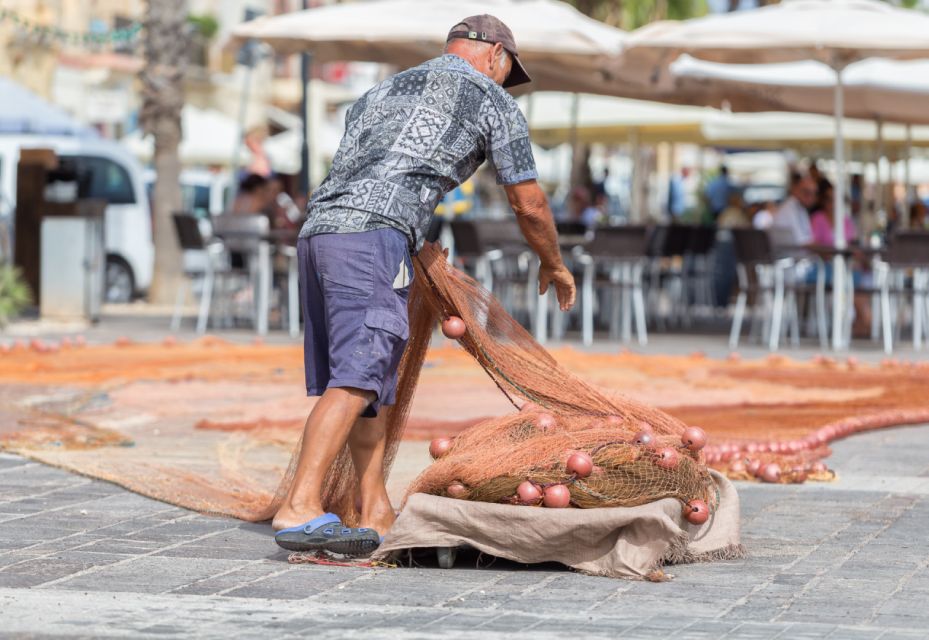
353 290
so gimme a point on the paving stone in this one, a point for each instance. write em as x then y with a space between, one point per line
147 575
822 561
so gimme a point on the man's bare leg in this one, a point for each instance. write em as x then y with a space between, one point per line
326 431
368 442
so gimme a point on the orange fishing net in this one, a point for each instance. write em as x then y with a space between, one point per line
624 439
210 425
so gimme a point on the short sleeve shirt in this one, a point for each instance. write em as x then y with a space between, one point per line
413 138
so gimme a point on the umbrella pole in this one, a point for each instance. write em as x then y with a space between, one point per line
907 195
304 181
879 192
635 199
839 305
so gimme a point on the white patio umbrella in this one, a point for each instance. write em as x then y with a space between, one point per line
834 32
610 120
556 42
875 89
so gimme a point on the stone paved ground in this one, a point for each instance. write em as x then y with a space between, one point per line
847 560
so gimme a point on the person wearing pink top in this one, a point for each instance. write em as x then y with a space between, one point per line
823 219
822 222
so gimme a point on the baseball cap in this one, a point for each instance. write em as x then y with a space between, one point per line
487 28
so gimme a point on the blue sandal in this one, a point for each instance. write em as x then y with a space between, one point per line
326 533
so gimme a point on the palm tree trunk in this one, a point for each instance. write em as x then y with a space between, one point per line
166 49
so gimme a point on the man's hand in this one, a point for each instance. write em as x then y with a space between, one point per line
563 281
530 205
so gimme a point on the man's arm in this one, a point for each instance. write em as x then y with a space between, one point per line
530 205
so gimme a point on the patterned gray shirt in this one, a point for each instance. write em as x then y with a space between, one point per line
413 138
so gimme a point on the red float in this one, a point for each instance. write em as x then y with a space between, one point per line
528 492
556 496
644 438
439 447
694 438
546 421
771 472
697 512
453 328
457 490
668 458
580 464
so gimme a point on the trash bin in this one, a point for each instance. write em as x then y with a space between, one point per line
73 262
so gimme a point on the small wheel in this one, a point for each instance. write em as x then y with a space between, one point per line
446 556
119 282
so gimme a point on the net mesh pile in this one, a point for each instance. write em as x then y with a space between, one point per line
493 457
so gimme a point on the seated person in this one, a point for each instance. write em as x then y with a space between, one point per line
823 220
791 224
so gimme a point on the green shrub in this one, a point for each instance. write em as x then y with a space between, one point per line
206 25
14 294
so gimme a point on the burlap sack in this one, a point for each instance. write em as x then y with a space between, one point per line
616 542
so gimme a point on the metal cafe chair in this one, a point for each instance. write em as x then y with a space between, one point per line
247 236
768 280
202 260
496 253
906 258
620 253
667 247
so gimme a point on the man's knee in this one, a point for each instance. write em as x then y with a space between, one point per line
364 397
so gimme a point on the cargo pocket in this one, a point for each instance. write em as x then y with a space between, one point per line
386 333
388 321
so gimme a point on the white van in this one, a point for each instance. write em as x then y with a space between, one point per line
107 171
204 192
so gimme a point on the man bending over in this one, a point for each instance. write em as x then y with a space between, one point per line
408 141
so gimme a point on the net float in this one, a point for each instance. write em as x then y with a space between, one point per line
38 346
556 496
169 341
735 356
439 447
771 472
644 438
122 341
453 328
456 490
696 512
528 492
614 421
668 458
694 438
819 467
66 342
546 421
580 464
737 466
753 467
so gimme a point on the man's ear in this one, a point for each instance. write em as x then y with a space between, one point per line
497 56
